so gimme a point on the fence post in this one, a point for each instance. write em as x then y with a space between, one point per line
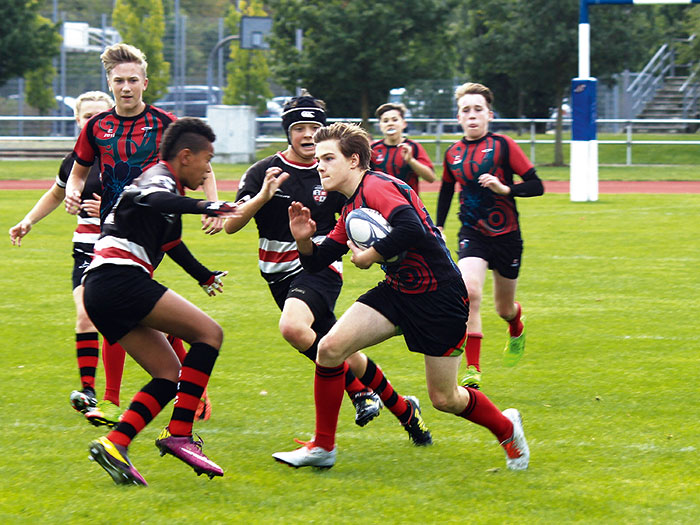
438 133
629 144
533 140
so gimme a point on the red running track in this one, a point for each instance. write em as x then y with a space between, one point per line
605 186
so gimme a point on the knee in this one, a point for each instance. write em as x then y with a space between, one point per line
329 352
442 401
214 335
475 293
292 332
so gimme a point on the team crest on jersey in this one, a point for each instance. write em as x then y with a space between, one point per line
380 156
319 194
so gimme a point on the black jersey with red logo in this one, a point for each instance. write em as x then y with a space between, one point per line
389 159
88 229
427 264
480 208
124 146
277 250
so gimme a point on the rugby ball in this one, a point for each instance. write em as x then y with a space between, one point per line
365 227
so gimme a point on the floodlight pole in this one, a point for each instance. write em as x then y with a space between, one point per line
210 62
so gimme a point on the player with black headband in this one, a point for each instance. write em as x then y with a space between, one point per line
307 300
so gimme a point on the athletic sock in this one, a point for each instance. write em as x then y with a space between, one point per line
482 411
113 356
515 325
375 379
312 351
328 396
145 406
87 350
194 376
472 352
179 348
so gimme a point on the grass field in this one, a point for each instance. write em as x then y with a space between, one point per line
608 389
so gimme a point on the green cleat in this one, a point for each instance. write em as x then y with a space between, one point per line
515 347
105 413
472 378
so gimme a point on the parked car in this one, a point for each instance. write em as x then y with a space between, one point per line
195 100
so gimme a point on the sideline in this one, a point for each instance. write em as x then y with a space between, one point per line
554 186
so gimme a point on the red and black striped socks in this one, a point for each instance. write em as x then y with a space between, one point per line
375 379
146 405
87 351
194 377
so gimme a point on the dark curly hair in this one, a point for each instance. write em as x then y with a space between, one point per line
187 132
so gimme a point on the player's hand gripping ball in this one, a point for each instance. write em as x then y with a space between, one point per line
366 226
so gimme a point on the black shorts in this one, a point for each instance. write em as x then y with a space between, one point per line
117 298
82 257
319 291
502 252
433 323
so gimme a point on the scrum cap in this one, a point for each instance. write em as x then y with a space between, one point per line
305 111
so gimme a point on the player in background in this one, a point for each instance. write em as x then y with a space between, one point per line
423 297
489 237
86 338
125 142
131 308
307 300
396 154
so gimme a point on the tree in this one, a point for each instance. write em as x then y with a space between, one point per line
527 51
247 73
355 52
27 41
141 23
39 88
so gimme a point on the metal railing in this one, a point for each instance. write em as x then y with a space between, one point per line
443 132
644 87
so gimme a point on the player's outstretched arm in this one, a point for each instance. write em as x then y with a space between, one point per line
302 227
211 225
47 203
274 177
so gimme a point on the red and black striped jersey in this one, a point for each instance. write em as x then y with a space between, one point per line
480 208
427 264
277 250
388 159
124 146
88 230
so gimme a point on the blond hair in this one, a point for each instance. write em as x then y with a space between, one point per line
351 139
472 88
92 96
123 53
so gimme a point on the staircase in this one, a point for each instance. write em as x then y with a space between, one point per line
667 103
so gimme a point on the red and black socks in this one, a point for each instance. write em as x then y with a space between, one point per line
482 411
329 383
194 377
375 379
87 351
146 405
113 356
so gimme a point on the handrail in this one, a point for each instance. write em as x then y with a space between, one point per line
649 65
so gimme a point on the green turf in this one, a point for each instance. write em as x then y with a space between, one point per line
608 389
